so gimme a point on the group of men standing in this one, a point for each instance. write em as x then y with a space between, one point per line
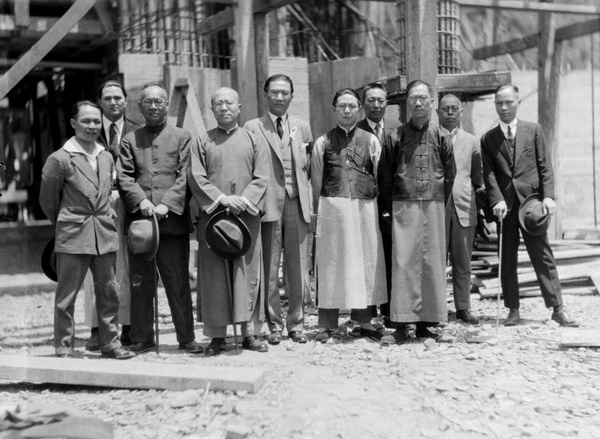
387 204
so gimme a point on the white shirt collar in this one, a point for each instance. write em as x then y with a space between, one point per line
73 146
445 131
372 124
513 127
106 125
284 118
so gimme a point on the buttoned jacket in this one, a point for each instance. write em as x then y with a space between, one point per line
275 196
76 200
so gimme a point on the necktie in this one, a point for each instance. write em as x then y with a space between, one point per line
279 128
113 143
511 143
378 132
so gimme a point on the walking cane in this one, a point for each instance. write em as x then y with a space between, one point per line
230 282
500 233
156 303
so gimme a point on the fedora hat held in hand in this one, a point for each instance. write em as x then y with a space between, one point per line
532 217
227 235
143 237
49 261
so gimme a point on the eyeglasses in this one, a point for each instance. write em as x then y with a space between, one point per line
450 108
275 93
343 107
422 98
157 102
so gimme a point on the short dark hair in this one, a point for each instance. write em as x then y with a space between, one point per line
416 83
505 86
278 77
111 83
346 91
373 86
79 104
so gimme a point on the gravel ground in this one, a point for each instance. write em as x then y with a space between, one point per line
518 384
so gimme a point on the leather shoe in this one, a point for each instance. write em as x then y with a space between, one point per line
423 332
297 336
513 318
118 353
323 336
274 337
93 344
252 344
466 316
192 347
370 333
215 347
65 355
141 347
563 319
399 336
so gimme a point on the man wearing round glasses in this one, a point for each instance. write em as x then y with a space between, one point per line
416 177
287 208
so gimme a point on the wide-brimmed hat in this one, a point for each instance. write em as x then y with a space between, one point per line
49 261
531 215
143 237
227 235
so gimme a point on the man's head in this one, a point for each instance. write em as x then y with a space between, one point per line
450 112
419 96
86 120
112 98
279 92
225 105
507 102
375 101
154 104
346 104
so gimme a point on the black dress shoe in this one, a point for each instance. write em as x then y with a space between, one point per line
297 336
371 333
118 353
93 344
513 318
466 316
193 347
215 347
399 336
423 332
323 336
274 337
563 319
252 344
141 347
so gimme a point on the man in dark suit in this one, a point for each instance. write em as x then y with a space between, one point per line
374 104
151 173
516 164
287 208
112 98
461 208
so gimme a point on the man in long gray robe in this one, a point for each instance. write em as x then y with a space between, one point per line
416 177
229 171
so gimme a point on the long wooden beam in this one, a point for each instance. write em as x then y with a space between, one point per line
38 26
519 44
40 49
531 6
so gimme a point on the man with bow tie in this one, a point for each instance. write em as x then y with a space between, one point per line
287 207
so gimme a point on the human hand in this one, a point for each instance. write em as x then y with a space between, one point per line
146 207
548 206
500 209
234 203
161 211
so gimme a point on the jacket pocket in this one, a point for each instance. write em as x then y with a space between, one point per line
70 217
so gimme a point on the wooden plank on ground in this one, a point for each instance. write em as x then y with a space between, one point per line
576 338
130 375
486 293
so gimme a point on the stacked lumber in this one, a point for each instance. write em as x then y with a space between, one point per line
578 264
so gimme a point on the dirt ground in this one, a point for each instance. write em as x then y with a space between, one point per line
519 384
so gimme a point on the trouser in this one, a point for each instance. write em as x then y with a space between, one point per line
328 317
172 261
71 270
460 245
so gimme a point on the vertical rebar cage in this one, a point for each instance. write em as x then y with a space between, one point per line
448 29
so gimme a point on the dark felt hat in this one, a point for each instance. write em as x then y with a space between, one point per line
143 237
227 235
532 217
49 261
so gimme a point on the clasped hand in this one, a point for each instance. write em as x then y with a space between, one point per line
234 203
147 208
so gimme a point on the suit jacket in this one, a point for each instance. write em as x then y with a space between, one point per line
469 177
298 135
153 165
128 126
76 200
385 220
531 171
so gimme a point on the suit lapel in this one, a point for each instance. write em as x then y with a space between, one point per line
522 135
271 135
499 139
104 171
86 169
458 146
